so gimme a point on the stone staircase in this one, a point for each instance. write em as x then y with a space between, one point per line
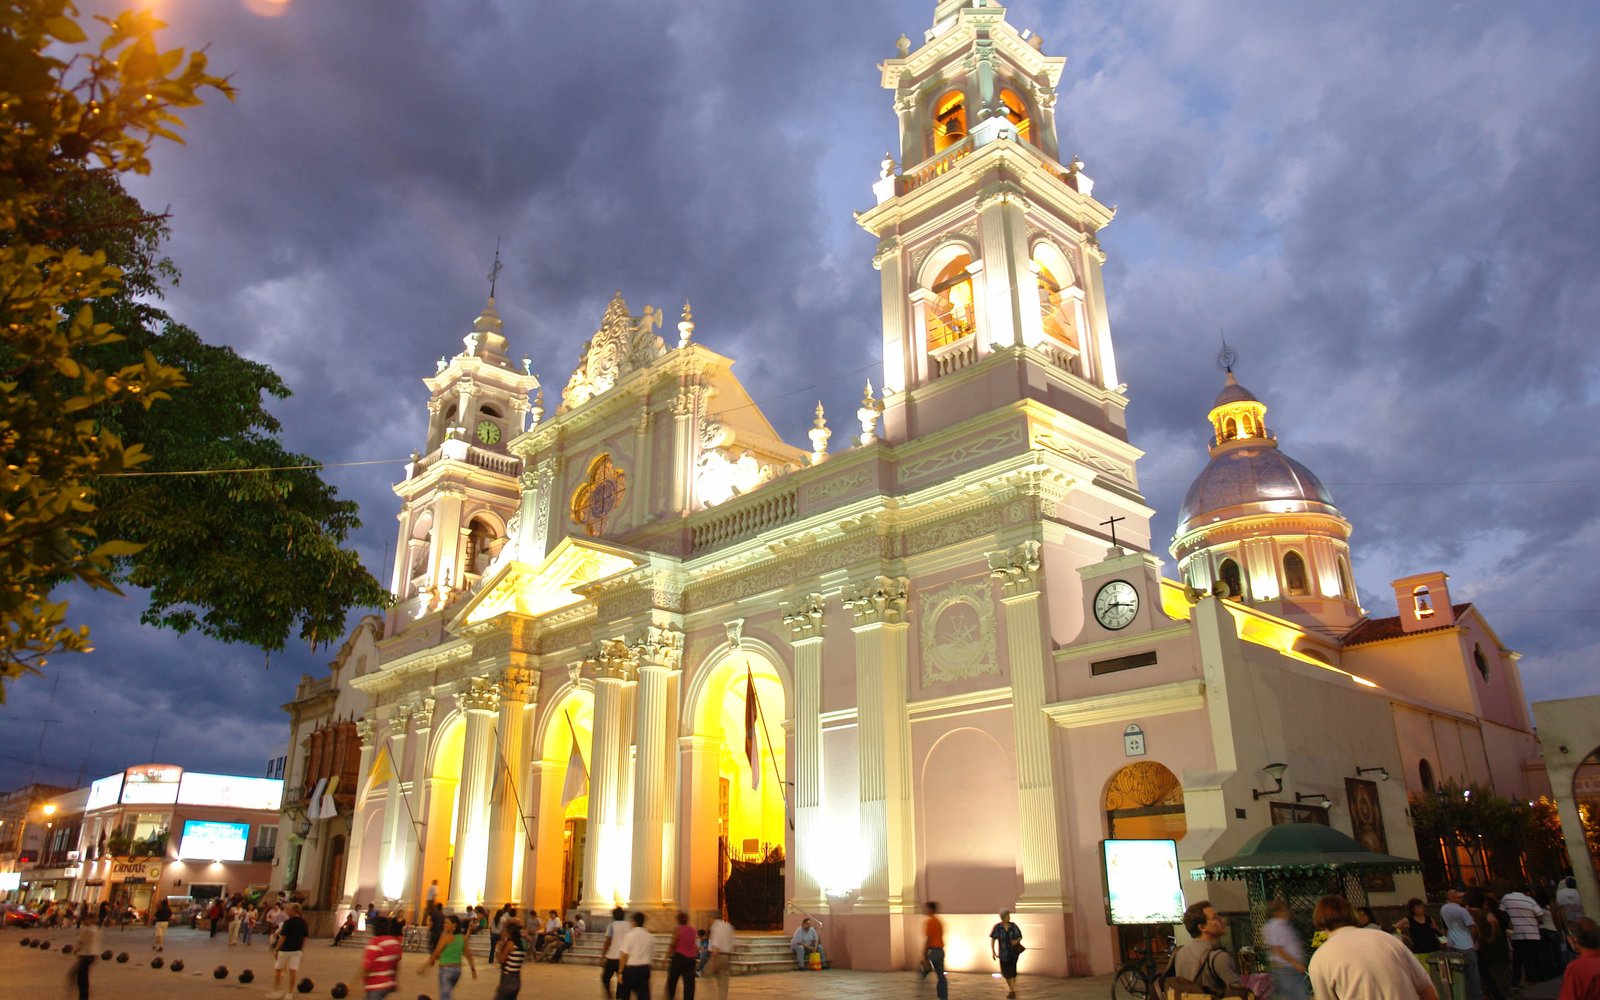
757 953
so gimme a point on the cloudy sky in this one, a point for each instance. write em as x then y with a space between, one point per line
1388 207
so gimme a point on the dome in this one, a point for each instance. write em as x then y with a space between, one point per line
1251 474
1233 392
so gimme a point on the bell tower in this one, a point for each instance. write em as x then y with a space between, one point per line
986 232
460 495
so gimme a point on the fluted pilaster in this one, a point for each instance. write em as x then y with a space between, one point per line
366 733
606 857
1017 569
518 686
804 622
659 653
481 702
884 755
395 857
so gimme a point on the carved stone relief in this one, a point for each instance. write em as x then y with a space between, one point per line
958 632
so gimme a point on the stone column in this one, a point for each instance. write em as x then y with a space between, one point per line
684 406
1011 291
518 686
416 799
881 632
604 856
397 828
366 730
1017 569
659 654
481 701
542 890
805 633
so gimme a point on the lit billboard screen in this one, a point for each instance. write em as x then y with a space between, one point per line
230 791
10 881
1142 882
207 841
151 784
104 792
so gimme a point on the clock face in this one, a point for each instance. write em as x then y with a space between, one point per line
1116 604
488 431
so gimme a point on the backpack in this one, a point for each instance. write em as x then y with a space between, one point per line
1169 984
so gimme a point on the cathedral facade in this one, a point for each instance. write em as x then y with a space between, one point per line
645 652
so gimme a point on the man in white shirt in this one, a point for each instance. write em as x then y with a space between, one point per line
1288 953
722 944
613 951
1352 966
637 944
1461 937
1527 951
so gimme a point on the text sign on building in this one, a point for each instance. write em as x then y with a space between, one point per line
230 791
1142 882
151 784
206 841
104 792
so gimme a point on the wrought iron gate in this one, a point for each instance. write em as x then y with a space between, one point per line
750 886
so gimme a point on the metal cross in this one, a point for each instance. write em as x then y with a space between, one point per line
494 272
1112 524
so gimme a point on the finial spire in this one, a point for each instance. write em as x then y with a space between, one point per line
819 435
1227 357
685 326
494 272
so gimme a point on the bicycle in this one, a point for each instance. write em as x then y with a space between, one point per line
1133 978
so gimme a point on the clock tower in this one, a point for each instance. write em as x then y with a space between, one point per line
460 495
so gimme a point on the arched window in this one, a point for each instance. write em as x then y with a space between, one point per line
1228 576
1017 115
1421 603
1347 588
1055 313
482 544
1230 429
490 411
1425 775
1480 661
949 120
950 313
1294 574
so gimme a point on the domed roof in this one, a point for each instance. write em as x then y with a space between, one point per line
1233 392
1250 474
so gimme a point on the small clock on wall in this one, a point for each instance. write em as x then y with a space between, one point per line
1115 605
488 432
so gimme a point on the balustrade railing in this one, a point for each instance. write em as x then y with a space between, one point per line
931 168
750 517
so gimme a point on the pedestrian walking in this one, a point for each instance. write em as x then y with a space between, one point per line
85 952
163 918
380 962
1527 944
436 919
637 945
1203 960
235 917
1005 945
933 951
448 955
680 960
287 948
1356 966
1287 952
611 952
247 923
1582 978
1461 937
722 943
1423 933
509 955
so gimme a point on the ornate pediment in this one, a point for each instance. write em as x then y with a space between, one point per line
624 343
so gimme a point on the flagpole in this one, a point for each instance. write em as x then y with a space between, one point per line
511 784
783 786
576 742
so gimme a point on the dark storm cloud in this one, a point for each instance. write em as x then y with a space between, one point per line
1386 207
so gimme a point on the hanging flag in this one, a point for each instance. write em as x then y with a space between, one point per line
752 747
314 805
382 772
329 810
577 783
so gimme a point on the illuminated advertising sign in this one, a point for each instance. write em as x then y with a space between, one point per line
151 784
207 841
1142 882
105 792
10 881
230 791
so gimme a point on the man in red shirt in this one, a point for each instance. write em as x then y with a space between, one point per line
933 950
1582 978
380 960
680 960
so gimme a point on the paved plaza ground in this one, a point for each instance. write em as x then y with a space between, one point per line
31 972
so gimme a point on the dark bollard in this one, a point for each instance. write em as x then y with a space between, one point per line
156 963
220 972
339 991
176 966
122 957
305 986
105 956
247 976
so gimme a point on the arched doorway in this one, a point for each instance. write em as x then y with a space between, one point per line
565 749
739 794
1143 801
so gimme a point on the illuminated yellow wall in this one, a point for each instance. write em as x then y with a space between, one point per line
753 814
